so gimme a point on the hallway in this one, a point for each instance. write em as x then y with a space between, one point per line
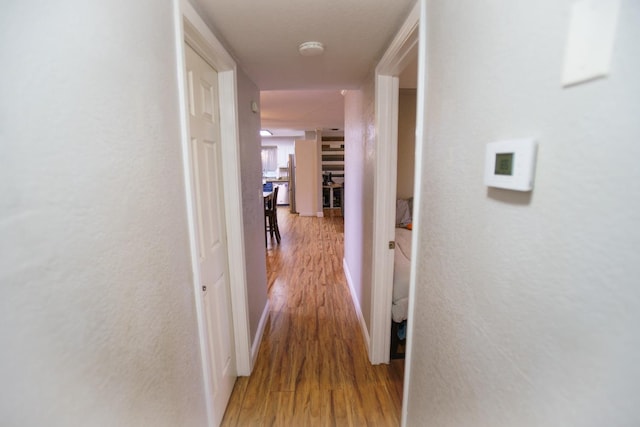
312 367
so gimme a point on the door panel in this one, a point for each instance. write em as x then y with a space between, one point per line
210 227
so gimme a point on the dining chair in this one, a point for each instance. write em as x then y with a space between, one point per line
271 216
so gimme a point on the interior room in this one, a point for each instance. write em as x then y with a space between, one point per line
404 210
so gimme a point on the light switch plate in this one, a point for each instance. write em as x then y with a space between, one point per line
592 29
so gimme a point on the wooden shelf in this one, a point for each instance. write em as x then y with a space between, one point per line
333 163
333 156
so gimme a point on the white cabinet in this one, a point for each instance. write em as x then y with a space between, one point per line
283 193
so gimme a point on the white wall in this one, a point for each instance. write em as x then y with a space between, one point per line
252 201
97 314
406 143
354 199
307 177
527 306
359 164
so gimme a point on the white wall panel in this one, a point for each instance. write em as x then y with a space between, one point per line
97 315
527 304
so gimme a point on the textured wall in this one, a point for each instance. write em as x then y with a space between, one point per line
359 166
252 202
368 121
527 305
97 314
353 194
406 143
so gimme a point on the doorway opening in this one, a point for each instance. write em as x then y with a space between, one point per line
401 57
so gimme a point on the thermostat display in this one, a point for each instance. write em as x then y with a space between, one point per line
511 164
504 164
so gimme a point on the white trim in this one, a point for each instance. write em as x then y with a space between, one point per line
320 214
392 63
387 88
234 220
205 43
421 108
356 303
192 29
202 40
190 203
255 347
402 48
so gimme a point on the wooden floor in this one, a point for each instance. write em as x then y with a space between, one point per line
312 367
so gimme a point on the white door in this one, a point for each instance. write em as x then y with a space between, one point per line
204 124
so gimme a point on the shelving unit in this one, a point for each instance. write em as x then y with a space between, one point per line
332 169
333 157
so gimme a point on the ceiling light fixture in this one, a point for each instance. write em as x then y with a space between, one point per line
265 132
311 48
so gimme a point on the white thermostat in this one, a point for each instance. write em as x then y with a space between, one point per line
511 164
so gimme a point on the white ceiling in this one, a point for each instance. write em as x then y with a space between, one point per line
282 110
264 36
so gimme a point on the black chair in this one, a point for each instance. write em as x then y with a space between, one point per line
271 216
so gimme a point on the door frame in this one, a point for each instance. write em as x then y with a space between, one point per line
191 29
403 47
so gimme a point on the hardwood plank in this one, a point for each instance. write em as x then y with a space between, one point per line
340 408
284 408
232 414
312 367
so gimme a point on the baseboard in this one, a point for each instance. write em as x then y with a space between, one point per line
356 304
255 347
320 214
307 214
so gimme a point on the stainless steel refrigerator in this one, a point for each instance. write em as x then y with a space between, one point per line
291 164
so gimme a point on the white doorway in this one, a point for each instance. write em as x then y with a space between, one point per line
212 257
217 166
400 54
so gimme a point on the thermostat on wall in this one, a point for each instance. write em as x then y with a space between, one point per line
511 164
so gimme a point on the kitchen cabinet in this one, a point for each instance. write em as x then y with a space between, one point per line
283 190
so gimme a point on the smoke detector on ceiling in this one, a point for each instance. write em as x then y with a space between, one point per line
311 48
